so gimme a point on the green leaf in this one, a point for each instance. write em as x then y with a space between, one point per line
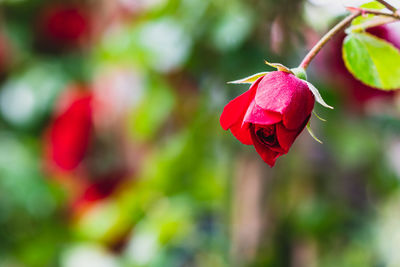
373 61
152 112
251 79
373 5
312 133
362 19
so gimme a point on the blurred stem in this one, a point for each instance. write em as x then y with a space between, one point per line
380 13
373 23
387 5
335 30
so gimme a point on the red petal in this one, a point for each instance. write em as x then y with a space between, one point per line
242 133
235 109
286 94
70 134
269 156
257 115
287 137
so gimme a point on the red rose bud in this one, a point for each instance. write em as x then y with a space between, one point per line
270 115
69 135
64 25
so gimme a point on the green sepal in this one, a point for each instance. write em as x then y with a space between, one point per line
251 79
279 66
312 134
318 117
317 95
300 73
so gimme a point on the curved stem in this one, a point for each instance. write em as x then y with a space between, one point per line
373 23
387 5
380 13
335 30
386 18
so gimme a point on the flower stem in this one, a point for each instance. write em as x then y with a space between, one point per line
380 13
335 30
387 5
372 23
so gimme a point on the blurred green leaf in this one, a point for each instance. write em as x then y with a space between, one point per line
364 18
373 5
28 97
234 25
155 108
105 221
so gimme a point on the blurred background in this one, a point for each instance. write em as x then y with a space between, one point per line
111 152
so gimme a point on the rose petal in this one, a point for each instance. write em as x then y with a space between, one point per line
235 109
257 115
278 149
287 137
286 94
242 133
274 147
295 114
269 156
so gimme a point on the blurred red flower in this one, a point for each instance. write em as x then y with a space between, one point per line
97 190
65 25
5 52
78 155
69 134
